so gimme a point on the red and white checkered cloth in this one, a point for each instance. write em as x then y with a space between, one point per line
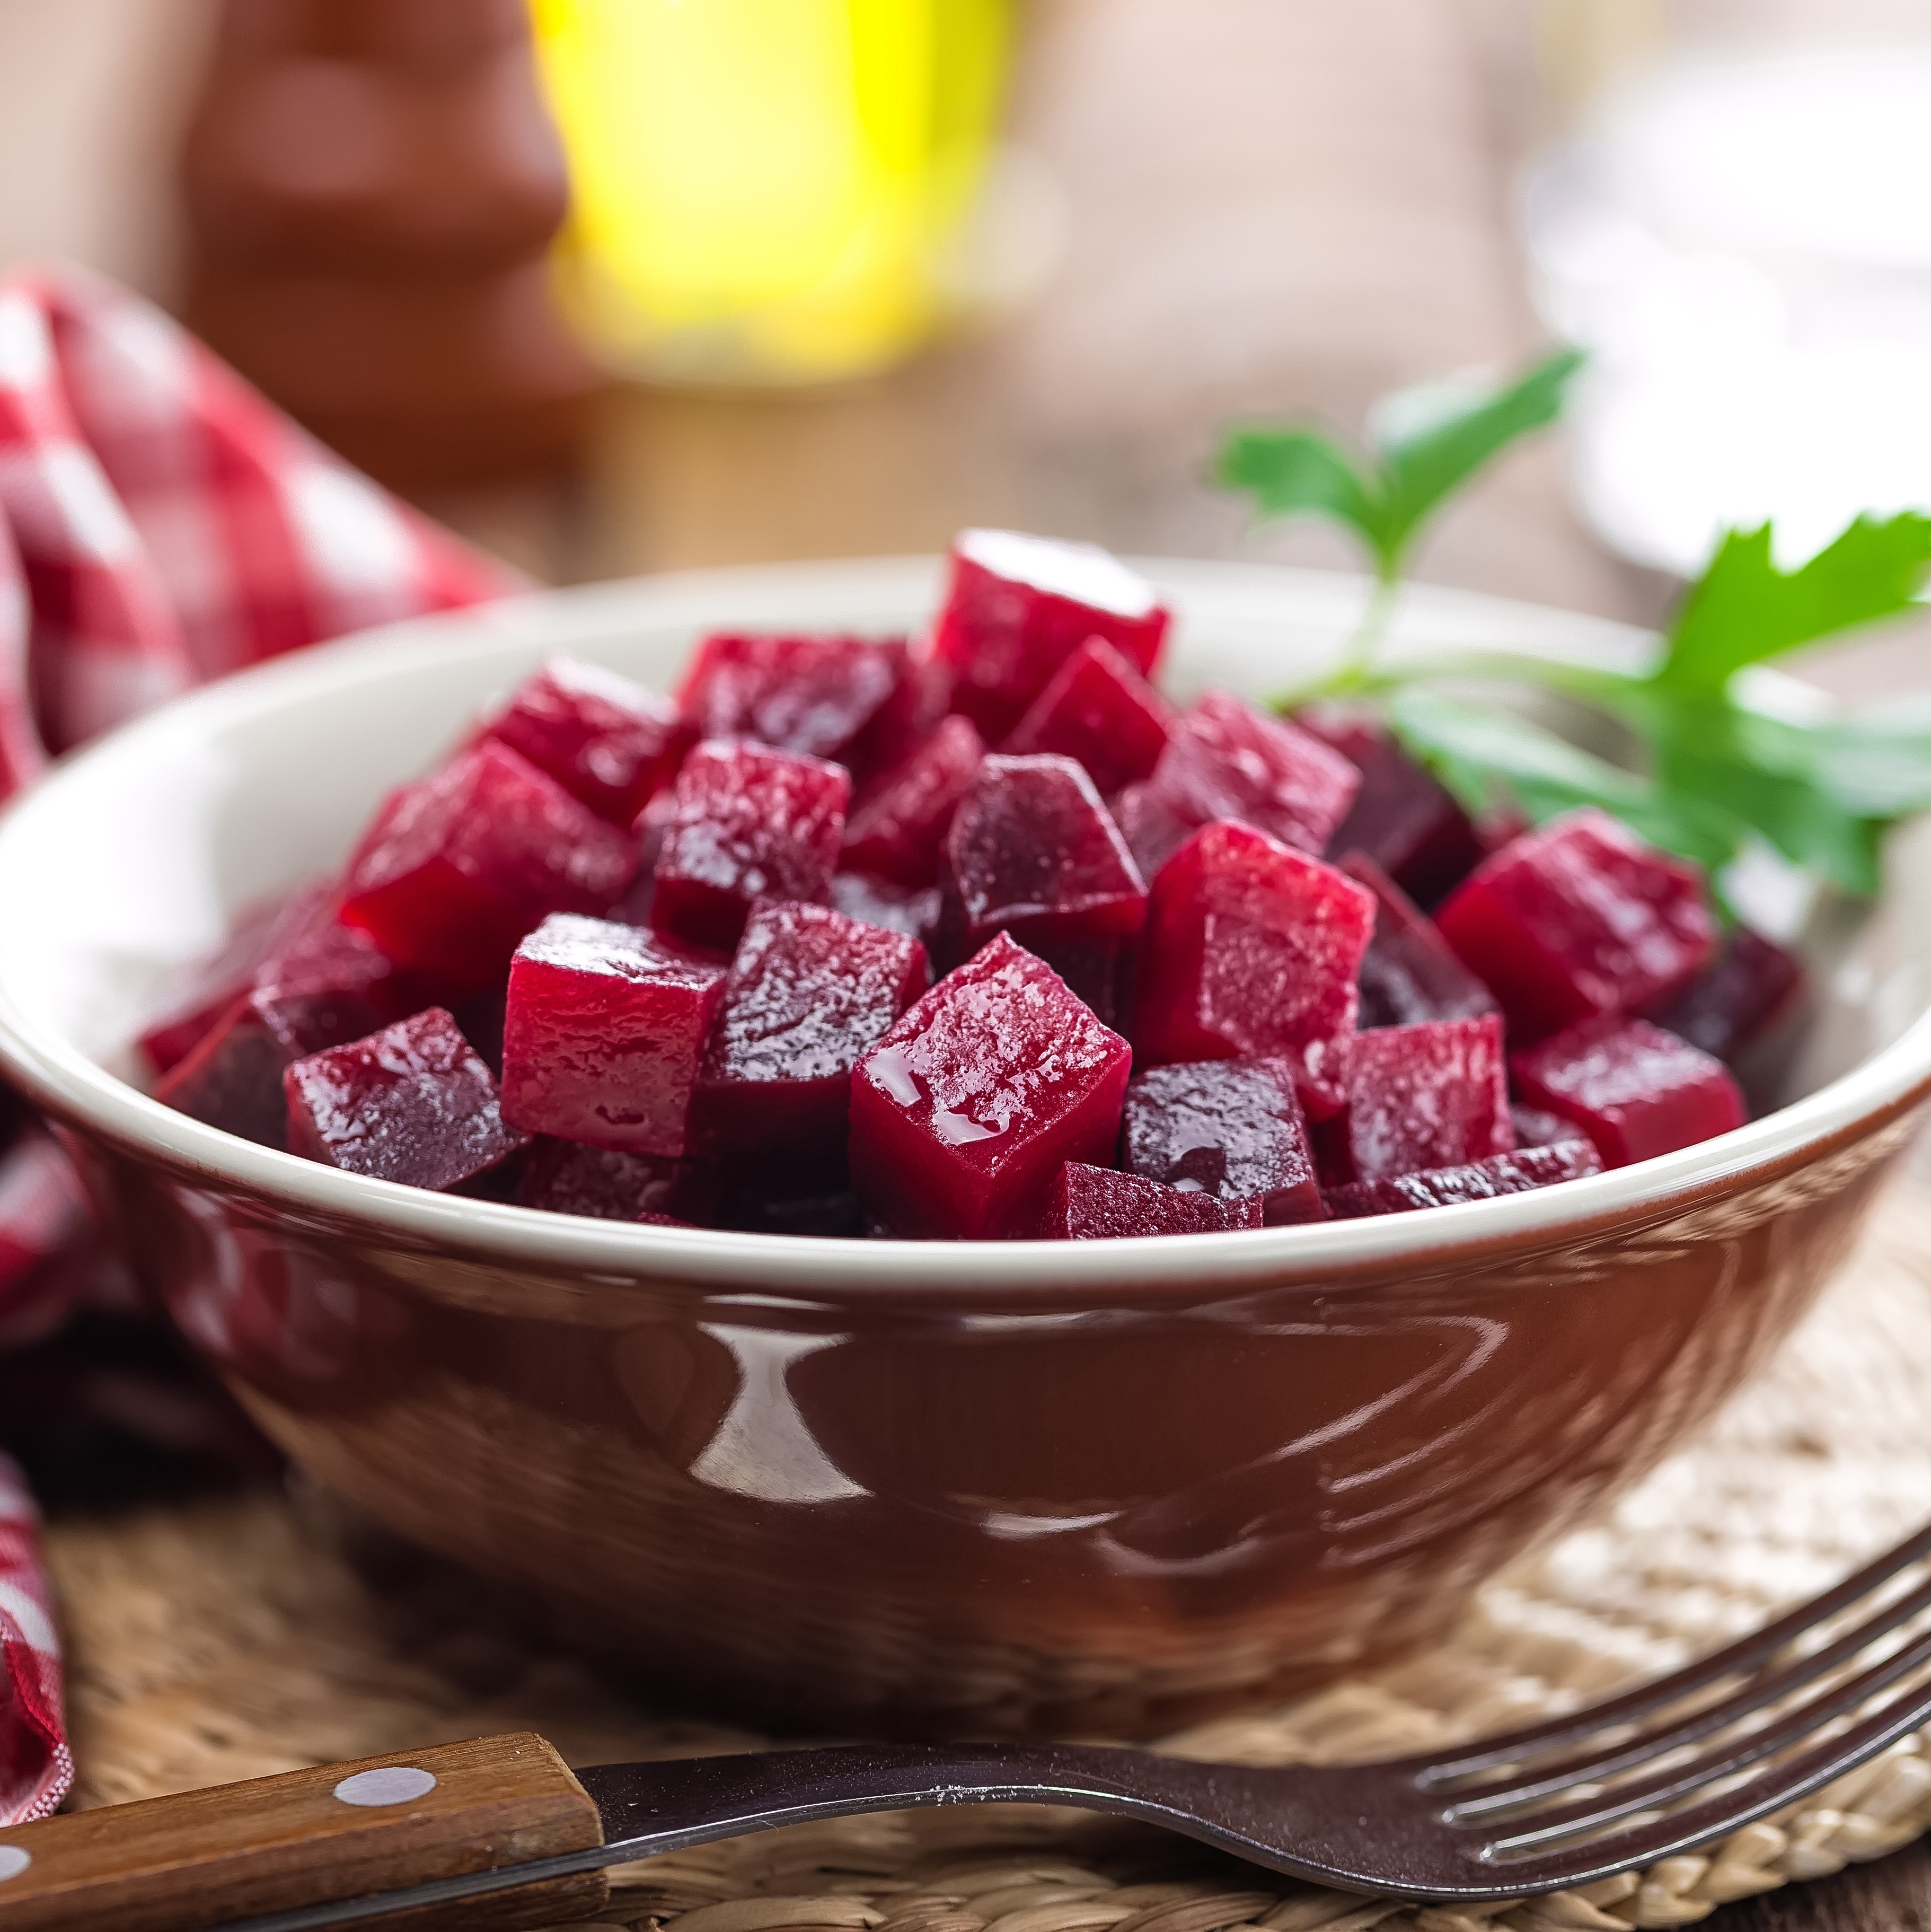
161 523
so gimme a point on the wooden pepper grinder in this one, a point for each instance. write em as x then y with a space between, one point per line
370 186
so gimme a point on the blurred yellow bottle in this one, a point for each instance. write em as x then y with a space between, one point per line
764 189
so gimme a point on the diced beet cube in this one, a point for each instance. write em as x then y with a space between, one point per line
813 695
1402 817
456 868
1153 830
411 1104
298 948
603 1035
316 984
1633 1089
1032 852
1535 1127
343 982
1230 1128
1435 1094
810 993
1097 1203
1577 918
209 988
896 833
1407 973
1225 760
963 1114
761 1204
1514 1173
1333 1159
232 1079
1098 710
608 742
914 711
1018 607
746 823
913 911
653 825
1751 984
1251 951
480 1016
606 1183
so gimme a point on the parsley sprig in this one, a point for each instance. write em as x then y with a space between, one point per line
1704 767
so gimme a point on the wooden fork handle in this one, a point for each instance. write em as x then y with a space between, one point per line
205 1858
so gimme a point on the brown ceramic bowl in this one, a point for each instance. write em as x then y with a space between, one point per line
1105 1486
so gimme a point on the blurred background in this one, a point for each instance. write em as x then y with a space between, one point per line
624 285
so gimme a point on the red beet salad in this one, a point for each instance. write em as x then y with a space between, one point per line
982 939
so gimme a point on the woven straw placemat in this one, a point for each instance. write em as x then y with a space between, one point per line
231 1638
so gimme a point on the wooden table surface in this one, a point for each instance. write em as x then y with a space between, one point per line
1268 206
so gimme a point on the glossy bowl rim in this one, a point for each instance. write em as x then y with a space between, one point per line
74 1088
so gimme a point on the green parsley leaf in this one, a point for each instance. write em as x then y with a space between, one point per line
1765 772
1715 774
1490 758
1432 438
1878 762
1428 440
1744 609
1290 470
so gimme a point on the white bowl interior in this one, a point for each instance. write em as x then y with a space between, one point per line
136 855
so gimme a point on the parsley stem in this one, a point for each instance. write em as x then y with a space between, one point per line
1357 659
1355 677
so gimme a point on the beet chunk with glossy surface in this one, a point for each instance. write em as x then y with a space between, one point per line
1018 607
963 1114
905 720
1516 1173
810 992
232 1080
746 823
1099 1204
456 868
606 741
1230 1128
603 1035
1407 973
1099 710
1251 951
816 695
609 1184
316 983
1536 1127
1751 984
1402 817
343 983
1153 830
299 947
913 911
896 833
1226 760
769 1202
1577 918
208 988
1633 1089
412 1103
1431 1095
1032 852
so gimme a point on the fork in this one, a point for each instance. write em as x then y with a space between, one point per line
1672 1767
